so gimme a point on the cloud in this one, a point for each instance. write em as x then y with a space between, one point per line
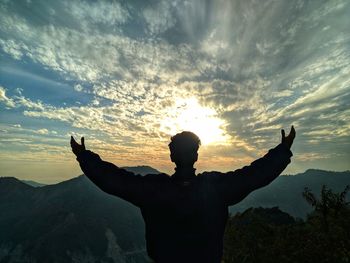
21 101
27 103
6 100
93 57
107 13
42 131
259 66
13 48
160 17
78 88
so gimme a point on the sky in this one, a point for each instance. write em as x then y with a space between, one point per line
127 75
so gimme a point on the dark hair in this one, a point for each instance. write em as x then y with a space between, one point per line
184 142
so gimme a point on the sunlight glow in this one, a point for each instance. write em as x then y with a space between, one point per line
189 115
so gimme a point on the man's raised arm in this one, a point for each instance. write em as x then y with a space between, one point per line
108 177
235 186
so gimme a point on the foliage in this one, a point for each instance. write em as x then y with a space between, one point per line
269 235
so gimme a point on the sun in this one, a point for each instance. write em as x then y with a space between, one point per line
188 115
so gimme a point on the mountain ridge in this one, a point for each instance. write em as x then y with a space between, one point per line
75 219
283 192
70 219
146 169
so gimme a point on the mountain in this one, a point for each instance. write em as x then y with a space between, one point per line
72 221
273 216
142 169
33 183
286 191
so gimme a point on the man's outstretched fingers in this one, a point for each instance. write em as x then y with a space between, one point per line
283 134
293 131
72 141
83 142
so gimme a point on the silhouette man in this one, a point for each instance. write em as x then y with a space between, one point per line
185 214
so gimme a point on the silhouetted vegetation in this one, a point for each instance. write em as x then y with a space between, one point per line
270 235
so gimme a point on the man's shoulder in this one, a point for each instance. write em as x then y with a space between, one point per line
210 174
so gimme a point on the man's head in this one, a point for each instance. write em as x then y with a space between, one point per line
183 149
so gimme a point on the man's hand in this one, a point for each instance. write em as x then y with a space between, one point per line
76 147
288 141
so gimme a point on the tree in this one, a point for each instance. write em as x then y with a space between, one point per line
268 235
329 205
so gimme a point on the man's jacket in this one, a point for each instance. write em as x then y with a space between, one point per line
185 218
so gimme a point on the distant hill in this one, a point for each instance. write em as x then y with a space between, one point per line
72 221
33 183
271 215
286 191
142 169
